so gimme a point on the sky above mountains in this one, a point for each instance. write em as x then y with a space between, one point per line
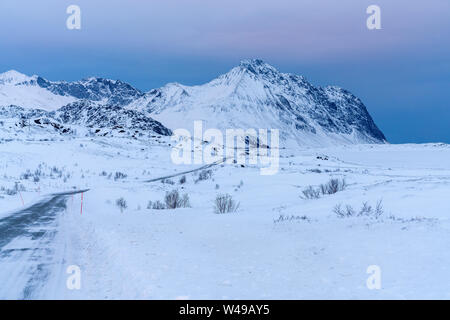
401 72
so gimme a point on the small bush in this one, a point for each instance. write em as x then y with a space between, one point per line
167 181
11 192
283 218
311 193
379 209
225 204
122 204
26 175
350 212
119 175
366 210
204 175
174 200
14 190
346 212
183 180
158 205
38 172
331 187
185 203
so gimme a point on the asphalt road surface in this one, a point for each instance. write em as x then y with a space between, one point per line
26 251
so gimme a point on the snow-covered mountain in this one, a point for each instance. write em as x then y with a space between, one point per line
94 103
102 90
21 90
91 117
99 116
251 95
256 95
38 93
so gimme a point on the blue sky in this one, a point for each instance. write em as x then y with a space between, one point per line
401 72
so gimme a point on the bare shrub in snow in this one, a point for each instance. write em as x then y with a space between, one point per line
174 200
338 211
38 171
379 209
413 220
149 204
349 211
26 175
366 211
182 180
204 175
333 186
346 212
11 192
167 181
185 203
158 205
283 218
311 193
225 204
14 190
122 204
119 175
19 187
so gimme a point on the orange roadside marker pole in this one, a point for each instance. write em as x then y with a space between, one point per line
81 212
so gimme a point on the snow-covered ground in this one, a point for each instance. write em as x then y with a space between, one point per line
277 245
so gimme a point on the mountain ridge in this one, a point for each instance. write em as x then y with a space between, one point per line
253 94
256 95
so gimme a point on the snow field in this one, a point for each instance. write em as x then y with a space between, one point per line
194 253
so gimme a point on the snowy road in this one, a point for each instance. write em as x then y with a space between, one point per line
188 171
26 249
